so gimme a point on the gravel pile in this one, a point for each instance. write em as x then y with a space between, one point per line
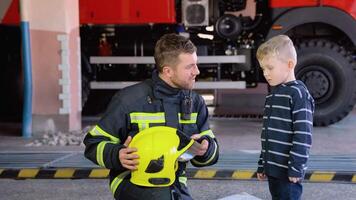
50 138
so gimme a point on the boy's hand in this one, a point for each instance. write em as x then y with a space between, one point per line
261 176
294 179
126 156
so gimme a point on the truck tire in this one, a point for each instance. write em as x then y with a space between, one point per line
329 72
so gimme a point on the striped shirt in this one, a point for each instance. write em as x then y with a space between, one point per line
287 131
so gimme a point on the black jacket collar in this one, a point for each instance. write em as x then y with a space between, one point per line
162 90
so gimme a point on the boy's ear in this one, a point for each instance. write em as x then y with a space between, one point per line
291 64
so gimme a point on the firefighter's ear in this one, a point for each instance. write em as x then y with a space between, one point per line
167 71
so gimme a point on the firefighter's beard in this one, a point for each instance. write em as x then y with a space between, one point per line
183 84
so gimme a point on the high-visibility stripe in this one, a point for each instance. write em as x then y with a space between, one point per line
28 173
242 174
64 173
97 131
208 161
116 182
145 118
99 173
139 117
100 152
183 180
192 120
208 132
143 126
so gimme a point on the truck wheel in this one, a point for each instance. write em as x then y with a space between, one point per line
330 75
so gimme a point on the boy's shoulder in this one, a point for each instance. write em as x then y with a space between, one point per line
296 89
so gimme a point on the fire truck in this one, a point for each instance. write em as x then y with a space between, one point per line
118 37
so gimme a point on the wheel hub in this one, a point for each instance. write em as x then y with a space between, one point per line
317 82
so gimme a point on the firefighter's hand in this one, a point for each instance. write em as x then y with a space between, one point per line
202 148
127 157
294 179
261 176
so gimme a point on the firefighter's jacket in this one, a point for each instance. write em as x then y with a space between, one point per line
149 103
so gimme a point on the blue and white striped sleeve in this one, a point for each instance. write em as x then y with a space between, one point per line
302 117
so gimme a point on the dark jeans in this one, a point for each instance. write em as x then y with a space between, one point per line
281 189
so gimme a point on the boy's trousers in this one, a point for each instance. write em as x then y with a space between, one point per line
282 189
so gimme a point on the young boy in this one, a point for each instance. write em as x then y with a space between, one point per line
287 121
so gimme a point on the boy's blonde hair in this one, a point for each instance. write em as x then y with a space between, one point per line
280 47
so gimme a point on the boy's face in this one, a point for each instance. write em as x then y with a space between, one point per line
276 71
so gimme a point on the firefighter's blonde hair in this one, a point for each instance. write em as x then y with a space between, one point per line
280 47
169 47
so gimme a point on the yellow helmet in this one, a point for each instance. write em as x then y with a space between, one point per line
158 149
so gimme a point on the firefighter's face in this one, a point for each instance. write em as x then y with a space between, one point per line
184 73
277 71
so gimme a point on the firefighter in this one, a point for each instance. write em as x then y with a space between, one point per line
166 99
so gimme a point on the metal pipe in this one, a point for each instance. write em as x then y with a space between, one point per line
27 70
